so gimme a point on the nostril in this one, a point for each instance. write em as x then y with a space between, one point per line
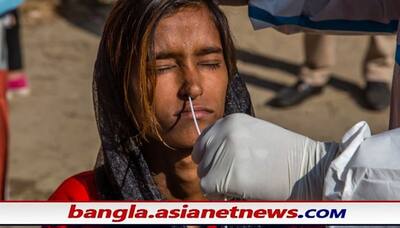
192 90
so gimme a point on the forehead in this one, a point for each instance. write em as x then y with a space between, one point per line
189 27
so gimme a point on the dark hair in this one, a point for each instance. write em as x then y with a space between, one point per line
129 35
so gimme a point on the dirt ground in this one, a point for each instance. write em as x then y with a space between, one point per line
53 131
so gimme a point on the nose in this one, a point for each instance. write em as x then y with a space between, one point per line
191 83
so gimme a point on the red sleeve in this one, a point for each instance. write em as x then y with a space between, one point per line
80 187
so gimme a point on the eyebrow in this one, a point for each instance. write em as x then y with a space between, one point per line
167 55
208 50
200 52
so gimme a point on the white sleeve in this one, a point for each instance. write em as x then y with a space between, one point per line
7 5
366 168
336 16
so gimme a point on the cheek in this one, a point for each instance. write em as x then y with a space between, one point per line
217 87
165 99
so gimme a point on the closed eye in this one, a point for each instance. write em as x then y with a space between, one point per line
164 69
211 65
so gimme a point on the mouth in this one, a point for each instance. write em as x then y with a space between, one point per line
199 111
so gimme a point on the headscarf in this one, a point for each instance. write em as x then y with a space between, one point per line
121 171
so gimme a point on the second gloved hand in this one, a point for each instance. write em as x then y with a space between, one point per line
242 156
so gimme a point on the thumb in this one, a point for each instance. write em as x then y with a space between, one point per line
197 152
210 187
200 147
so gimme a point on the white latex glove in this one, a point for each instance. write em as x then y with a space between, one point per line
245 157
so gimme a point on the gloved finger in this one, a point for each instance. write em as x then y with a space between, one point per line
207 161
207 137
208 186
213 189
200 147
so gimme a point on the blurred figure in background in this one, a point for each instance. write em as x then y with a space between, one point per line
319 59
5 6
17 79
3 110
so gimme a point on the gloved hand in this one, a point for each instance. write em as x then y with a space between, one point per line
241 156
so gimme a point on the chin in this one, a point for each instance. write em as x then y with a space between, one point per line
182 141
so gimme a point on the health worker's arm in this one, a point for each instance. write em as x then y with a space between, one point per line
7 5
330 16
245 157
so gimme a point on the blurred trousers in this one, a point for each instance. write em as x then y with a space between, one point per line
320 58
3 132
13 40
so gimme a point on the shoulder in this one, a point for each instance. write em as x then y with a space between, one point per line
80 187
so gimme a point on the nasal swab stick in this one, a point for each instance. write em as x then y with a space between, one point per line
194 116
210 197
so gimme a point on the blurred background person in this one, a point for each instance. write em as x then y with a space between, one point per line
320 58
3 111
5 6
17 78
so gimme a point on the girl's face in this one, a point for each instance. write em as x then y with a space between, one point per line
189 62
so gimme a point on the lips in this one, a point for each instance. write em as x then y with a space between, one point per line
200 112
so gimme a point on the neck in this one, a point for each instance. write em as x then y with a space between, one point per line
173 171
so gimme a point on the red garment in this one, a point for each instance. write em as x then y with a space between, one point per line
80 187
